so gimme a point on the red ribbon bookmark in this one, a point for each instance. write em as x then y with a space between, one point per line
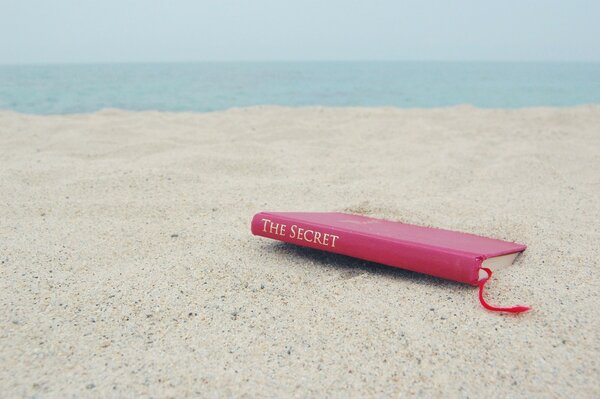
513 309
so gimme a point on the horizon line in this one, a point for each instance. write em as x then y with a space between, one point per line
299 61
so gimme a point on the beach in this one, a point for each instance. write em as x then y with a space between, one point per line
128 267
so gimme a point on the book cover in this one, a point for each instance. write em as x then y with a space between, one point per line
452 255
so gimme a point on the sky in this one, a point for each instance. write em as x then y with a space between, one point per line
84 31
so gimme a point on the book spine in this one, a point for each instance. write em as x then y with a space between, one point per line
434 261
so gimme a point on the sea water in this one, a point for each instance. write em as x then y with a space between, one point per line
62 89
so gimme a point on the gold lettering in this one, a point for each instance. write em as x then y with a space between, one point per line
300 233
333 238
273 228
266 221
306 235
318 238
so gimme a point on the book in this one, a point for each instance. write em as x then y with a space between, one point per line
452 255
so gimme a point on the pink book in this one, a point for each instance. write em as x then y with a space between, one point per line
462 257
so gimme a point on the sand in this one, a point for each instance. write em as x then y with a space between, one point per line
128 267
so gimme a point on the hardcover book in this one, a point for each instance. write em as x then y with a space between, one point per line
462 257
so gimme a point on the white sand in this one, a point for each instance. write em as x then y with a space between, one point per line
100 298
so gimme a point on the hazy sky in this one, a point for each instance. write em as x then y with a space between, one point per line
186 30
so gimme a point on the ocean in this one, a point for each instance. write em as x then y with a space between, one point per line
64 89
